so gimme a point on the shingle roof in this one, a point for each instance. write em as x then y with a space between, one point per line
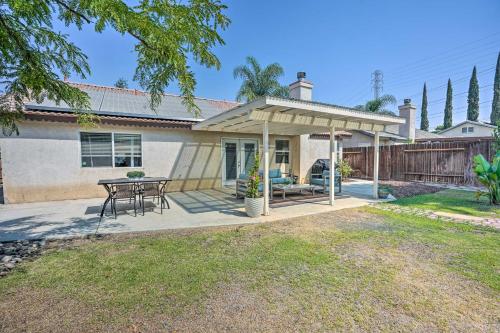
420 134
134 103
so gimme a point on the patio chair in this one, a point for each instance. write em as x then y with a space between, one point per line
151 190
123 192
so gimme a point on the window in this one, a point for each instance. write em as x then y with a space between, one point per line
471 129
96 150
108 150
127 150
282 151
464 129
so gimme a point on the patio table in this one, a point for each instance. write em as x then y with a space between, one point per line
109 183
295 188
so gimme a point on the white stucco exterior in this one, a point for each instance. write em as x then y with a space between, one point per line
469 129
43 163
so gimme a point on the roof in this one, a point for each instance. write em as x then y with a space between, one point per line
384 134
477 123
326 136
287 116
421 134
112 101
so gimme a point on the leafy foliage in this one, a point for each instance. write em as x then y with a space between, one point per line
344 168
378 105
488 174
496 137
438 129
448 108
473 97
121 83
253 179
135 174
258 81
495 106
168 33
424 120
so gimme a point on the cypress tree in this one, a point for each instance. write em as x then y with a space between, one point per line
473 97
424 121
448 108
495 107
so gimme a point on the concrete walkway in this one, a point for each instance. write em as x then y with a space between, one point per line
70 218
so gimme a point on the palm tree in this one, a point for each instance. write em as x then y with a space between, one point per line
258 82
378 105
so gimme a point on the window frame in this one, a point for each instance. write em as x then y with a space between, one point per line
470 129
465 130
112 150
276 151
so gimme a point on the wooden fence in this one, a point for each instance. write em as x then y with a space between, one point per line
439 162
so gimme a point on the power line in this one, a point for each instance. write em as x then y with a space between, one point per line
448 51
441 114
458 94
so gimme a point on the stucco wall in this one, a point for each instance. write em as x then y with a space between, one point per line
478 131
361 140
43 163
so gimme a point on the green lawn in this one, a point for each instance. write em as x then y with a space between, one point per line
362 269
452 201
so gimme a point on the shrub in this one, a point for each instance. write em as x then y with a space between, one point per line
344 168
253 179
488 175
135 174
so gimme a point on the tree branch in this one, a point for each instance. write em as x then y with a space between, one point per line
68 8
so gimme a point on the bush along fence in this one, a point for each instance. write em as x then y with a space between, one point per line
437 162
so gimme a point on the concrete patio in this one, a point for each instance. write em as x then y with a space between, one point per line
71 218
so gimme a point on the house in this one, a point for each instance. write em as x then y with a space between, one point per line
53 158
469 129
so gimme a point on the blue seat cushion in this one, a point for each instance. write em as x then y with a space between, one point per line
243 176
317 181
281 180
275 173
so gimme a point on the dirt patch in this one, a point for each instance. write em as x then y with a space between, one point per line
408 189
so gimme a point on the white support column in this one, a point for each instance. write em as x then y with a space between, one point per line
265 140
333 157
376 150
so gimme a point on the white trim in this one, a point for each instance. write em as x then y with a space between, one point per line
112 149
477 123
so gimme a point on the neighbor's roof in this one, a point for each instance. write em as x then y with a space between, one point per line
477 123
111 101
420 135
384 134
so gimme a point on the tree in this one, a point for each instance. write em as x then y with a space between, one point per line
168 35
448 108
495 107
473 97
258 82
496 137
121 83
378 105
424 120
438 129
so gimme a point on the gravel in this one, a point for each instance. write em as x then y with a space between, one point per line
13 253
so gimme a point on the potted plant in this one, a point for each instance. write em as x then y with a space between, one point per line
384 191
135 174
254 203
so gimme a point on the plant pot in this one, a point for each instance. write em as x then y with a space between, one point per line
254 207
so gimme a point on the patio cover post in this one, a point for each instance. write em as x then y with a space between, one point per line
376 150
333 155
265 140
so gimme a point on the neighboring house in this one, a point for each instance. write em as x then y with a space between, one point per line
468 129
394 134
53 158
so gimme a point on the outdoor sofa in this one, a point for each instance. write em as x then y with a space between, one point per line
275 177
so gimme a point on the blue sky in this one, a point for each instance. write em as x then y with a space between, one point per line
339 44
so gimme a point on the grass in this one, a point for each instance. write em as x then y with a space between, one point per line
362 269
452 201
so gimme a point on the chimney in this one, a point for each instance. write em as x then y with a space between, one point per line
301 89
408 111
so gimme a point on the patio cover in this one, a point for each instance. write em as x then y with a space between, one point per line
280 116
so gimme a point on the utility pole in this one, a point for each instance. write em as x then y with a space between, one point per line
377 83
